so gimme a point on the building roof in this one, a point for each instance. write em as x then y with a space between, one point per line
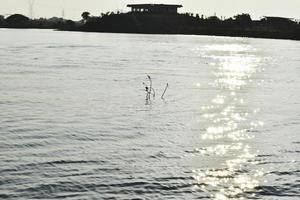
277 18
153 5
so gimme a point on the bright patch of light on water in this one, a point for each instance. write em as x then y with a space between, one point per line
233 71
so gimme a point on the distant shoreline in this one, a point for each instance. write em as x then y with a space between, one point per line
166 24
220 35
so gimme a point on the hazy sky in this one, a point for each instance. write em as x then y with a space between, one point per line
73 8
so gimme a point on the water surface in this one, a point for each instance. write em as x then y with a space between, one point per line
75 124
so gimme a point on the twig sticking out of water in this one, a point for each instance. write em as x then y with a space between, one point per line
147 91
162 96
153 92
150 88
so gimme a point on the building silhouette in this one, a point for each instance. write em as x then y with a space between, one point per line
277 20
154 8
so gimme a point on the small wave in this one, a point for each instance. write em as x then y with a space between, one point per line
174 178
265 155
64 66
283 173
60 162
291 151
290 190
71 46
163 155
139 187
4 196
57 162
270 162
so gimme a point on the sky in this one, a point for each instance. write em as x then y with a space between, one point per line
72 9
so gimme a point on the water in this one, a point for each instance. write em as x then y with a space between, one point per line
75 124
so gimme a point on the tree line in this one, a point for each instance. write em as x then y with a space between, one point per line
165 23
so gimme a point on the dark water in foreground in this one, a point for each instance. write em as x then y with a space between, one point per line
74 123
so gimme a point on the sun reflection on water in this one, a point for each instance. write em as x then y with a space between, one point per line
229 126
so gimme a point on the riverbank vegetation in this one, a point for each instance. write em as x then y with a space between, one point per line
165 23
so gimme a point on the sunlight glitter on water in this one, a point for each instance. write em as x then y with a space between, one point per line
228 120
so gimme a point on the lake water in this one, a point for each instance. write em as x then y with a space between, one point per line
74 122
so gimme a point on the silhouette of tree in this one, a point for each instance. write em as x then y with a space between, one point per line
213 19
1 20
243 19
69 25
17 21
85 15
229 20
17 18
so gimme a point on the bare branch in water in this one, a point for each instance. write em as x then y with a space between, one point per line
147 91
153 92
162 96
150 88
